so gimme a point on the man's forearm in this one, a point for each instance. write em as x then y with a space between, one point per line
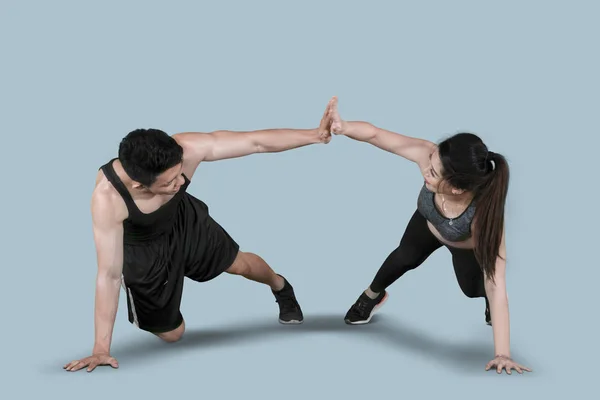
220 145
277 140
107 302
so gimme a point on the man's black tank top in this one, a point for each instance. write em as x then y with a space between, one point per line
140 227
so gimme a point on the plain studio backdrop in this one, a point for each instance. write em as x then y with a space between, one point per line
78 76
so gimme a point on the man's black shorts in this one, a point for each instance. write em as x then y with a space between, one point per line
153 272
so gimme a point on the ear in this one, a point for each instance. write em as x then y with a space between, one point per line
457 191
137 185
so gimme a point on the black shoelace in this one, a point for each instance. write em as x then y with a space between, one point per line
361 307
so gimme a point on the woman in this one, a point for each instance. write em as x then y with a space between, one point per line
460 206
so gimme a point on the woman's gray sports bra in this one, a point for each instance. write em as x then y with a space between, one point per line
452 229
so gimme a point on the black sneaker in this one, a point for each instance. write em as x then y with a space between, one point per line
488 316
363 309
289 309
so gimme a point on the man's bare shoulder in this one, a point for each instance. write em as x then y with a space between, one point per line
195 145
107 203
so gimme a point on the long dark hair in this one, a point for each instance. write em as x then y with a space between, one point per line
469 165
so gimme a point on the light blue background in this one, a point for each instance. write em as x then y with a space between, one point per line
77 76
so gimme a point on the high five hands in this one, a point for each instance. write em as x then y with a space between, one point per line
331 122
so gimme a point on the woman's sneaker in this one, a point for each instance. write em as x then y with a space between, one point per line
363 309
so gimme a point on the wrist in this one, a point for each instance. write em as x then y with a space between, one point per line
358 130
314 136
101 348
345 128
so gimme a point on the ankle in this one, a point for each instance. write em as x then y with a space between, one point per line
371 294
278 283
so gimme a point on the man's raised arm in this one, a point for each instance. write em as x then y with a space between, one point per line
223 144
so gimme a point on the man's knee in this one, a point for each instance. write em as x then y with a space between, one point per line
174 335
241 265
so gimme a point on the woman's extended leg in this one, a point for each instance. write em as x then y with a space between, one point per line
416 245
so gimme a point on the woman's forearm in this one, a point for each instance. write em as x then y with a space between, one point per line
359 130
411 148
498 301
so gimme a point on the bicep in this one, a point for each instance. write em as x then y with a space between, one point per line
217 145
227 144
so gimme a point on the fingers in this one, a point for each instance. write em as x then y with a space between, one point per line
326 112
519 370
91 363
70 365
325 124
92 366
329 116
76 365
334 102
508 366
336 121
523 368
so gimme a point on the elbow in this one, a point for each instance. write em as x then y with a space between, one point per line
374 133
259 148
109 278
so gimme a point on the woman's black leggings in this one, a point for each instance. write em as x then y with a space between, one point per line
416 245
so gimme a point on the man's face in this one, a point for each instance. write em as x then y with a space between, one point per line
169 182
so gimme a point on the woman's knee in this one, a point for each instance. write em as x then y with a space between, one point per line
472 290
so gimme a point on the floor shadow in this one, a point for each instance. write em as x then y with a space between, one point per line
463 356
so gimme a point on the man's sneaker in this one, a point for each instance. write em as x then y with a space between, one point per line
363 309
289 309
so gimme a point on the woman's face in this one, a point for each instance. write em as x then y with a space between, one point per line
433 175
432 172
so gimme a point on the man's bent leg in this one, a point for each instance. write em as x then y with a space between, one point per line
209 251
253 267
174 335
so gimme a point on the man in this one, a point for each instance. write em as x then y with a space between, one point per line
150 233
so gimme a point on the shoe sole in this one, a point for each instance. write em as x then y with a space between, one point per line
292 322
373 311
